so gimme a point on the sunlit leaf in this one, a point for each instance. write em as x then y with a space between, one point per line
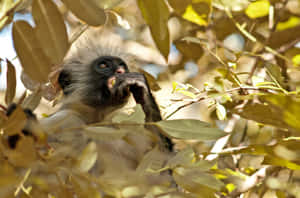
88 11
281 162
50 29
7 9
191 15
87 158
291 22
190 129
156 15
221 111
34 62
10 82
296 60
258 9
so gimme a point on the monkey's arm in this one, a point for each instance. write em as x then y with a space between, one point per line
137 84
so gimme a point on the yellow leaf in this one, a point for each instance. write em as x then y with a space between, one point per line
258 9
291 22
88 158
191 15
296 60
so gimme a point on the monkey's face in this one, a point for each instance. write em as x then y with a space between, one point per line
93 81
106 67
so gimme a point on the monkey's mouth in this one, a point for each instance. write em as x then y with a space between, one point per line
111 82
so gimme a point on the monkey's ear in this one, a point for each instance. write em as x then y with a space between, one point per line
64 81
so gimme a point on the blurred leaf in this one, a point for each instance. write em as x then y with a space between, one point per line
106 4
187 93
221 111
296 60
152 161
291 22
286 36
50 30
87 158
138 116
190 50
275 73
261 113
16 122
104 133
7 9
33 100
281 162
290 108
24 154
10 83
179 6
151 80
34 62
156 15
190 129
88 11
194 180
185 156
258 9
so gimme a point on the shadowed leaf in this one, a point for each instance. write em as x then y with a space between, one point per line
50 29
10 82
34 62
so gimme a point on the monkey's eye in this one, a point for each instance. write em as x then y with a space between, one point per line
102 65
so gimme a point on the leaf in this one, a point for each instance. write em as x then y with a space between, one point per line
198 12
276 161
156 15
33 100
7 9
258 9
87 158
104 133
16 122
190 50
179 6
183 157
50 30
88 11
152 161
221 111
275 73
291 22
196 181
10 82
190 129
138 116
34 62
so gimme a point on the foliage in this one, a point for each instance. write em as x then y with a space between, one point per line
248 63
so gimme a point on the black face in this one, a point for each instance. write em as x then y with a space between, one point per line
107 66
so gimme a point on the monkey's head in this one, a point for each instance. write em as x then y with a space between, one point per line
91 82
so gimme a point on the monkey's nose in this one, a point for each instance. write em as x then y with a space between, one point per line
120 70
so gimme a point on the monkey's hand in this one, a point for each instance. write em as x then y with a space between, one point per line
137 84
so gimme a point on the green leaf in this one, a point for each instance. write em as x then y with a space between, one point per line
190 129
88 11
11 83
258 9
50 30
104 133
280 162
34 61
138 116
156 15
